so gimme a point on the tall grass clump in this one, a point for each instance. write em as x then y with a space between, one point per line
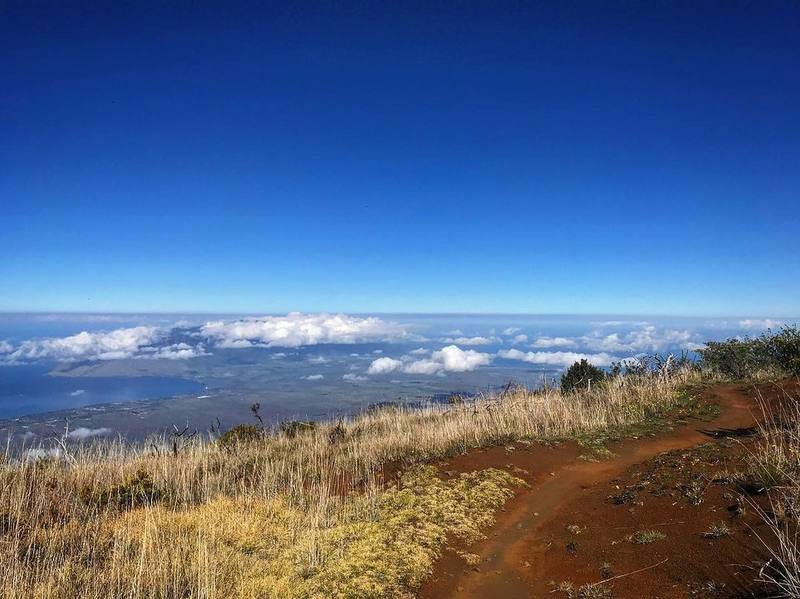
774 467
307 511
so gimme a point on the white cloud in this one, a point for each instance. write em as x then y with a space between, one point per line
5 347
520 339
82 433
423 367
511 331
110 345
384 365
478 340
353 378
420 351
557 358
544 342
77 392
313 377
448 359
318 360
648 338
760 324
177 351
296 329
142 342
455 359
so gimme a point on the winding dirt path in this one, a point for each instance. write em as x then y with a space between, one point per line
512 564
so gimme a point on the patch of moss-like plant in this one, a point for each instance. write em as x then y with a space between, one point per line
365 547
645 537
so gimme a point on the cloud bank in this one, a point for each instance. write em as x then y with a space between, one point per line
111 345
557 358
760 324
647 338
544 342
296 329
477 340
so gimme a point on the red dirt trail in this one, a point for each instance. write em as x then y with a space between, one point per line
514 563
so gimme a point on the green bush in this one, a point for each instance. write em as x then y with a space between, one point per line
241 433
580 376
785 350
745 358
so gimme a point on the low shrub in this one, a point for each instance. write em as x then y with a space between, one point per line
295 427
241 434
135 491
769 354
581 375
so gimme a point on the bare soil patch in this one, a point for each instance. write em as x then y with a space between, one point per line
658 516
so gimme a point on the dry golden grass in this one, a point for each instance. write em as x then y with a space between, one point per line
774 466
302 516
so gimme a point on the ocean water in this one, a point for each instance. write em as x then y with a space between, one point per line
27 389
134 375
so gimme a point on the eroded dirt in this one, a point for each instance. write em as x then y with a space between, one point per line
576 522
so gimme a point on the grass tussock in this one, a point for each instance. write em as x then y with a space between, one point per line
302 512
645 537
774 467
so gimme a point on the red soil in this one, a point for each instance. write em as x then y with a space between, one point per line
530 549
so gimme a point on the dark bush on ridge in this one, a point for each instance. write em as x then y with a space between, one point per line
242 433
137 490
295 427
580 376
743 358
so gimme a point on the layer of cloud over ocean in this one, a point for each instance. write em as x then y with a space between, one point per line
318 364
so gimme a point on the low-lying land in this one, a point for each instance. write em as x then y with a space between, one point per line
356 508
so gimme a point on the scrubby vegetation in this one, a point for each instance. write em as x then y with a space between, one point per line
303 511
771 355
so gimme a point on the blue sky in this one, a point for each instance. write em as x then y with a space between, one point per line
386 157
